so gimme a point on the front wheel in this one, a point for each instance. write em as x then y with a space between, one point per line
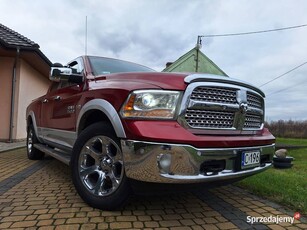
98 168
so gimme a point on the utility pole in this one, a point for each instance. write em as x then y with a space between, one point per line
198 47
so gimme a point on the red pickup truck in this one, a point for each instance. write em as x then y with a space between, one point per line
115 122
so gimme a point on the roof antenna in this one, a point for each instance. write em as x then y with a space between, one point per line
85 35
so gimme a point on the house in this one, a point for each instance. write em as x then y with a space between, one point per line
24 71
194 61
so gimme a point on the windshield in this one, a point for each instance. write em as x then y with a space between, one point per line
101 65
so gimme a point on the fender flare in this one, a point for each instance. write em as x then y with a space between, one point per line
107 108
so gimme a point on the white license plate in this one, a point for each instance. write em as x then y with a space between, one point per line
250 159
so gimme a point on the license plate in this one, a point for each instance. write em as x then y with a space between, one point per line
250 159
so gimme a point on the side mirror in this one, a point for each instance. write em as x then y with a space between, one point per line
58 74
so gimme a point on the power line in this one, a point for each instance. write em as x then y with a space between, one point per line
199 41
284 74
253 32
293 86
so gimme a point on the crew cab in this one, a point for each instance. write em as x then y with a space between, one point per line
115 122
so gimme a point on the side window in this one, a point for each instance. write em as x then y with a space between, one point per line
77 67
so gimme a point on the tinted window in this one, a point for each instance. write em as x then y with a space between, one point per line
76 65
108 65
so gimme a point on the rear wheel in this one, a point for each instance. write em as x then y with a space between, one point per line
98 168
32 152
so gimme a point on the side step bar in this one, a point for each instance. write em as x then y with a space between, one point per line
56 153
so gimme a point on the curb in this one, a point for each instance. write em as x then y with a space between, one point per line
4 147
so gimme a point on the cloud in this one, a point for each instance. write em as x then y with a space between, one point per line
155 32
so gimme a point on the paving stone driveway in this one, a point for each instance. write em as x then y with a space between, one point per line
40 195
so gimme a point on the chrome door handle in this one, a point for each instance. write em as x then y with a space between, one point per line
57 98
45 100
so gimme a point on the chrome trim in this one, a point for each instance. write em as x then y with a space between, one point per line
142 161
220 79
240 109
56 153
57 136
107 108
220 176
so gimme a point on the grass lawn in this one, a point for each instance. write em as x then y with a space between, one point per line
287 187
292 141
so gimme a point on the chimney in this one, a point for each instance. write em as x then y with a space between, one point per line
168 64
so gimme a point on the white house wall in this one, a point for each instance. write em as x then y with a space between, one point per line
31 85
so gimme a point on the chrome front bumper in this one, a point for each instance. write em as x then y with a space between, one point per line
173 163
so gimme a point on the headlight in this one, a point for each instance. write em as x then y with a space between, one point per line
151 104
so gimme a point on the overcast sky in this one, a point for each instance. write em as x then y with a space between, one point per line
155 32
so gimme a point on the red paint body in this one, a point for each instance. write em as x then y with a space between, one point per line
115 89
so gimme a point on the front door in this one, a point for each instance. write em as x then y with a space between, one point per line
59 113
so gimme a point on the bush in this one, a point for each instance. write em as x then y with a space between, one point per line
288 129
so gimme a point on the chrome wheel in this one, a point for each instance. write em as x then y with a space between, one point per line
30 141
32 152
100 166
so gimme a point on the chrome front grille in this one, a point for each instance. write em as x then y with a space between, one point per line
209 119
253 121
223 107
254 100
214 94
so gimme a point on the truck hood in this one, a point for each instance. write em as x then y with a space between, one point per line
167 81
132 81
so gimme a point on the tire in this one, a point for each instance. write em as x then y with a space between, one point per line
282 165
98 168
283 160
32 152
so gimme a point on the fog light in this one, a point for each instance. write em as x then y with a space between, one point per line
164 162
142 151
